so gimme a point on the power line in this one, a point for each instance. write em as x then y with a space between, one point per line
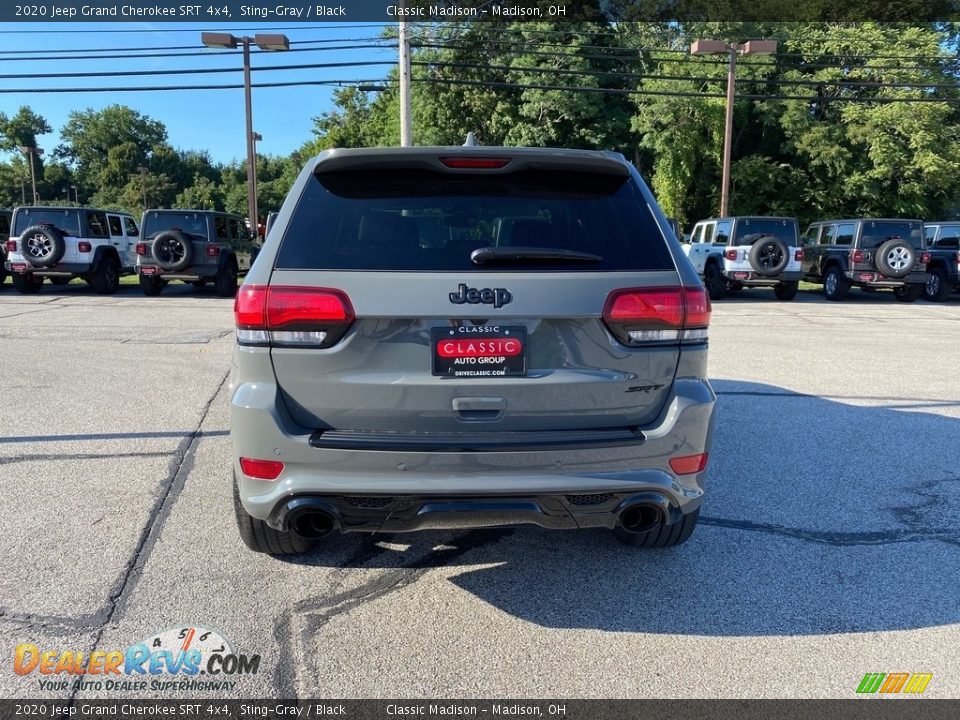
199 53
164 88
191 71
176 47
192 30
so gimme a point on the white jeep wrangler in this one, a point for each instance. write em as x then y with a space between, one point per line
62 243
732 253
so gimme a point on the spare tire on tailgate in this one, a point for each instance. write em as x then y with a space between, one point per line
42 245
173 250
896 258
769 256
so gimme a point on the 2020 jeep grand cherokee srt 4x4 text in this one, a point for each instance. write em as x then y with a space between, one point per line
454 337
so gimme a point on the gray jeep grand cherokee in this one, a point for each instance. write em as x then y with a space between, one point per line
448 337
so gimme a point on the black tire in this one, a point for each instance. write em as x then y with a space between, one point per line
3 270
662 536
896 258
786 291
60 280
769 257
106 279
835 285
226 280
713 281
260 537
42 245
28 284
173 250
937 288
151 285
908 293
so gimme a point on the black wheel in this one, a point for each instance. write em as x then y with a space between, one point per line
60 280
106 279
226 280
260 537
835 285
151 285
3 270
908 293
661 536
27 284
896 258
937 288
769 256
786 291
173 250
43 245
713 281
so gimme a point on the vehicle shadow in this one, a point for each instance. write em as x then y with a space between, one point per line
822 517
78 288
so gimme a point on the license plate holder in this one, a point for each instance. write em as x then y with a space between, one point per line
18 267
477 352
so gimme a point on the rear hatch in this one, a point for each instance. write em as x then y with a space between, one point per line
468 294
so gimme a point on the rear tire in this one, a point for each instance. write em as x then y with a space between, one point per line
937 288
260 537
908 293
226 280
106 280
786 291
27 284
662 536
714 282
835 285
151 285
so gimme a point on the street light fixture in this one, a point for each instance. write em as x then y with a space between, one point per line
718 47
31 151
265 41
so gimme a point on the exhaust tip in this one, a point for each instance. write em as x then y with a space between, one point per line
641 518
313 524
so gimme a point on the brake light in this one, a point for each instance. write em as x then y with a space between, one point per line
141 248
11 245
925 258
213 250
858 256
261 469
476 163
689 464
798 255
292 316
658 315
731 254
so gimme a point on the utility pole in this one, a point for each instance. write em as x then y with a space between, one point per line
23 190
76 194
31 151
143 184
406 129
719 47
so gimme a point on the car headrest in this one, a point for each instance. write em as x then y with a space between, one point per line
388 230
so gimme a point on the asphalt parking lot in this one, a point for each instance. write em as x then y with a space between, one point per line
828 546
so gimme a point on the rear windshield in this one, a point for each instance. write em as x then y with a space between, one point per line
877 232
188 222
422 220
68 221
749 230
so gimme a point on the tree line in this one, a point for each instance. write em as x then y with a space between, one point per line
845 119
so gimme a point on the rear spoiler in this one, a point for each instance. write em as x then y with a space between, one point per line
430 158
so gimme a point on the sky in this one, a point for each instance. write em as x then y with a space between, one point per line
211 120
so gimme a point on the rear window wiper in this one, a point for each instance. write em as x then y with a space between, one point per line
487 255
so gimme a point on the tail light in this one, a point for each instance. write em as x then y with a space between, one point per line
476 163
141 248
798 255
84 247
213 250
11 245
858 256
642 316
925 257
291 316
261 469
689 464
730 254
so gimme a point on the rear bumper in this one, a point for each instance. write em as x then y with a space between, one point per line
63 269
190 274
877 280
751 278
409 513
529 481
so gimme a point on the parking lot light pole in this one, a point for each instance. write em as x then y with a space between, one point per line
719 47
265 41
31 151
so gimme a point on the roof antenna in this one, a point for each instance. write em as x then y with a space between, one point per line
471 140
